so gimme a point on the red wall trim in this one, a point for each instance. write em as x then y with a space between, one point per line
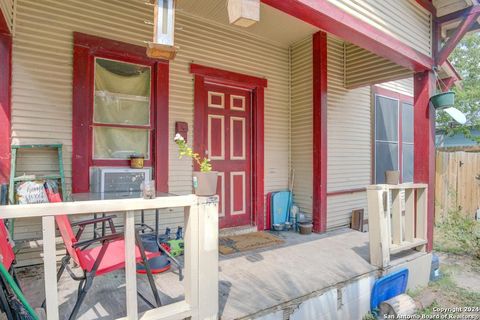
86 48
348 191
424 141
202 74
225 77
319 210
3 24
328 17
5 104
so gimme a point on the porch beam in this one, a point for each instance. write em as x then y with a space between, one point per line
319 203
447 83
456 15
424 142
428 5
459 33
330 18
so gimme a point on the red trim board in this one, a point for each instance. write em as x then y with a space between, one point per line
330 18
319 205
5 105
257 85
424 142
86 48
5 99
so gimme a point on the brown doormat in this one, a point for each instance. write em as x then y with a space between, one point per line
246 242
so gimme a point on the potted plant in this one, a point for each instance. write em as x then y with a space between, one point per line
443 100
205 180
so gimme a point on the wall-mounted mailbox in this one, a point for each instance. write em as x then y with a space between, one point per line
182 129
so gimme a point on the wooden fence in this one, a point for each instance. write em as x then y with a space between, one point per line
457 183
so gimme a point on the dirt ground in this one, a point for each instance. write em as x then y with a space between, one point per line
458 287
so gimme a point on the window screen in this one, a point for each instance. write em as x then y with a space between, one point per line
121 112
386 136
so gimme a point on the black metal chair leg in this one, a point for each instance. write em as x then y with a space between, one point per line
5 306
148 270
82 292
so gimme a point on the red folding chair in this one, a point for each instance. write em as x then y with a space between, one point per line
99 260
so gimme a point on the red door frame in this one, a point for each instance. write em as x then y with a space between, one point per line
86 48
257 85
5 98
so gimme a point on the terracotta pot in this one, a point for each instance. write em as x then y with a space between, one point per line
205 183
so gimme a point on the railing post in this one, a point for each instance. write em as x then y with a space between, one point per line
50 267
409 214
396 217
379 224
422 213
130 266
191 258
208 258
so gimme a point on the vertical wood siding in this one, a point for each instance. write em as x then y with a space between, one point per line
302 123
6 6
404 20
349 140
42 82
364 68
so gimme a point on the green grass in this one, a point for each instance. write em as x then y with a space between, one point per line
458 234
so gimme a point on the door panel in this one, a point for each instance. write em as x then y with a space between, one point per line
228 144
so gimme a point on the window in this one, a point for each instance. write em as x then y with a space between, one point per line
120 108
393 136
122 114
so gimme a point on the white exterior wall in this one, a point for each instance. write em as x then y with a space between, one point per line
404 20
349 140
364 68
302 123
42 82
404 86
349 129
6 6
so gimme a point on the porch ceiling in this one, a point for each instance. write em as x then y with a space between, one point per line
445 7
274 25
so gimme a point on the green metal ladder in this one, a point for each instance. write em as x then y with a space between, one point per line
14 179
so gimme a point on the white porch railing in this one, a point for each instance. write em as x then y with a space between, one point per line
201 251
396 224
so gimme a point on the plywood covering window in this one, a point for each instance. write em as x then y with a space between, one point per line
120 108
393 137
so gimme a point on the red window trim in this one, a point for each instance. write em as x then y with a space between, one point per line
5 98
401 99
86 48
257 85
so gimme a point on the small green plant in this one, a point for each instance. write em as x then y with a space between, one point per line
458 234
185 151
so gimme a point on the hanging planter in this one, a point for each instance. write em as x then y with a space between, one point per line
443 100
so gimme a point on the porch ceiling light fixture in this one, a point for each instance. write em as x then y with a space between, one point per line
244 13
162 46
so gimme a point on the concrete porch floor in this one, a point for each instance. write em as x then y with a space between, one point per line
251 283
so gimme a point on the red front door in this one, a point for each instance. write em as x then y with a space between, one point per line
227 143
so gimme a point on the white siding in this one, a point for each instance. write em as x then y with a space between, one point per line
42 81
302 123
364 68
349 140
404 20
6 6
404 86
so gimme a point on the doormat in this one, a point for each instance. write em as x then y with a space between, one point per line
247 242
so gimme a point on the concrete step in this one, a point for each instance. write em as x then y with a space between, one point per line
235 231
